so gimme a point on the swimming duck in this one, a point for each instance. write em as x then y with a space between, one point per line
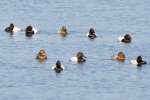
30 30
12 28
138 61
91 34
120 57
63 31
58 67
126 39
41 55
79 58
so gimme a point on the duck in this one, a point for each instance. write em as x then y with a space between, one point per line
79 58
125 39
30 30
91 34
12 28
120 57
138 61
63 31
41 55
58 67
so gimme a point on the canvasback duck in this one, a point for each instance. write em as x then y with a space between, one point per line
79 58
30 30
138 61
120 57
91 34
125 39
41 55
12 28
58 67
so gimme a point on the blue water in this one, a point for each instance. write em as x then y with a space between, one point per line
24 78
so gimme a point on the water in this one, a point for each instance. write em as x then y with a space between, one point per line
24 78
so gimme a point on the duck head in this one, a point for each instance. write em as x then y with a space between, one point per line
64 29
42 52
58 64
91 31
11 26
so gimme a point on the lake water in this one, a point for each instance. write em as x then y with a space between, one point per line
24 78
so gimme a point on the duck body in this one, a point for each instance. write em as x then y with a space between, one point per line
92 36
58 70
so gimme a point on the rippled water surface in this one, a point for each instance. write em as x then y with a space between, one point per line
24 78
